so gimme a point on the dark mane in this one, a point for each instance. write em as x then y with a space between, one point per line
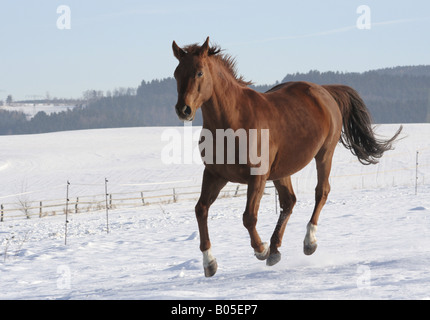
227 60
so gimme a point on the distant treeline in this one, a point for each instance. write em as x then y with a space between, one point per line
394 95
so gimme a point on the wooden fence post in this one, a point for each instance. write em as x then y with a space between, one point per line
107 207
143 200
2 208
76 204
67 213
237 190
40 209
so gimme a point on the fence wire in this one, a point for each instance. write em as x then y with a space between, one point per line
409 169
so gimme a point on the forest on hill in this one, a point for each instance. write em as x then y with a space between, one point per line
393 95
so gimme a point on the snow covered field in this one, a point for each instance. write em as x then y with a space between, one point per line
373 234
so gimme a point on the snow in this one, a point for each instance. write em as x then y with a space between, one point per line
373 233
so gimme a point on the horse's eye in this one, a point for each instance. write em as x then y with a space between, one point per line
199 74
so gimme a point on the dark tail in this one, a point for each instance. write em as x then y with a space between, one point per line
357 133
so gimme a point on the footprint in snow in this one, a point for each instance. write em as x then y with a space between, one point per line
418 209
192 236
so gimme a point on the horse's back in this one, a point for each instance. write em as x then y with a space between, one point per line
308 98
303 88
285 86
308 119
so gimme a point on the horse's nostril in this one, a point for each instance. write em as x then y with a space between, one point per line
186 110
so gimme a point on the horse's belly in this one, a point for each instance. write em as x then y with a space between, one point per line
288 163
230 172
285 171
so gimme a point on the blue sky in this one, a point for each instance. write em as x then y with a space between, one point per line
115 44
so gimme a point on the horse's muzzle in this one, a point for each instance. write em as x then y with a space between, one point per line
184 112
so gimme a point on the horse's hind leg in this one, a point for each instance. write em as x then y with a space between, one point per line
323 163
256 187
211 187
287 200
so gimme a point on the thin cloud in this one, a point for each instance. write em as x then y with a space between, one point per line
330 32
399 21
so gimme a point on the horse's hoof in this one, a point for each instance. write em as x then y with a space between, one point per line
264 254
211 268
308 249
273 259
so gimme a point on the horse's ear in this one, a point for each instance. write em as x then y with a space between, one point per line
205 48
177 52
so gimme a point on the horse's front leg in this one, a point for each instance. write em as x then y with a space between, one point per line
211 187
256 187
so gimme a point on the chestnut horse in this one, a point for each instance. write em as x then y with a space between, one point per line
305 122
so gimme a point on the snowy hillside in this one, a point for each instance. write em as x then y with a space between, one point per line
374 231
30 110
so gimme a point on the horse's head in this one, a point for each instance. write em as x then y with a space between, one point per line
193 79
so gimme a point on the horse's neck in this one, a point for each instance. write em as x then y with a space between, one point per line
223 109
